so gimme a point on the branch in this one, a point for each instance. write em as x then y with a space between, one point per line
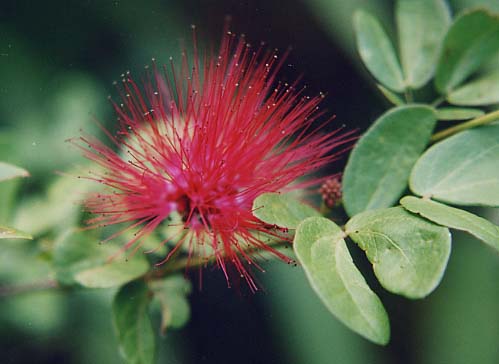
481 120
16 289
180 265
170 267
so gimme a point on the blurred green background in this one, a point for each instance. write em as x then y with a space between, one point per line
58 60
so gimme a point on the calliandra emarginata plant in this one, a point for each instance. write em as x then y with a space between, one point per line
167 135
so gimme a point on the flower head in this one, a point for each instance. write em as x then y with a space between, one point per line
202 142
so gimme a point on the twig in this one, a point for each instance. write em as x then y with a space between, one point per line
16 289
180 265
481 120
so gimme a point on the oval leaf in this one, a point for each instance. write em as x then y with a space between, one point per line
454 218
282 210
457 113
113 274
462 169
9 171
10 233
8 198
172 294
75 251
133 326
376 50
379 166
422 25
391 96
58 208
484 91
320 248
472 39
409 255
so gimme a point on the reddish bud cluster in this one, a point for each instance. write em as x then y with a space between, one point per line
331 191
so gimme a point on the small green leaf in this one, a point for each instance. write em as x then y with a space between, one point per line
376 50
9 171
8 198
484 91
422 25
409 254
472 39
10 233
462 169
114 273
79 258
133 326
172 294
282 210
379 166
391 96
75 251
457 113
320 248
59 208
454 218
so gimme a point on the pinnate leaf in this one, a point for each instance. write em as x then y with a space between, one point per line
133 326
376 51
422 25
461 170
10 233
172 294
457 113
379 166
9 171
320 248
409 254
79 258
472 39
59 208
282 210
483 91
391 96
454 218
114 273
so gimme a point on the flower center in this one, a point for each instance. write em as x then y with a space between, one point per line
195 215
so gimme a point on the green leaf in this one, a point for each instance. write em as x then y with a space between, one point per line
172 294
9 171
320 248
376 50
8 198
484 91
454 218
408 254
79 258
282 210
462 169
379 166
457 113
75 251
114 273
59 208
10 233
472 39
133 326
391 96
422 25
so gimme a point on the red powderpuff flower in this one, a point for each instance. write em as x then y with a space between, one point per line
204 142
